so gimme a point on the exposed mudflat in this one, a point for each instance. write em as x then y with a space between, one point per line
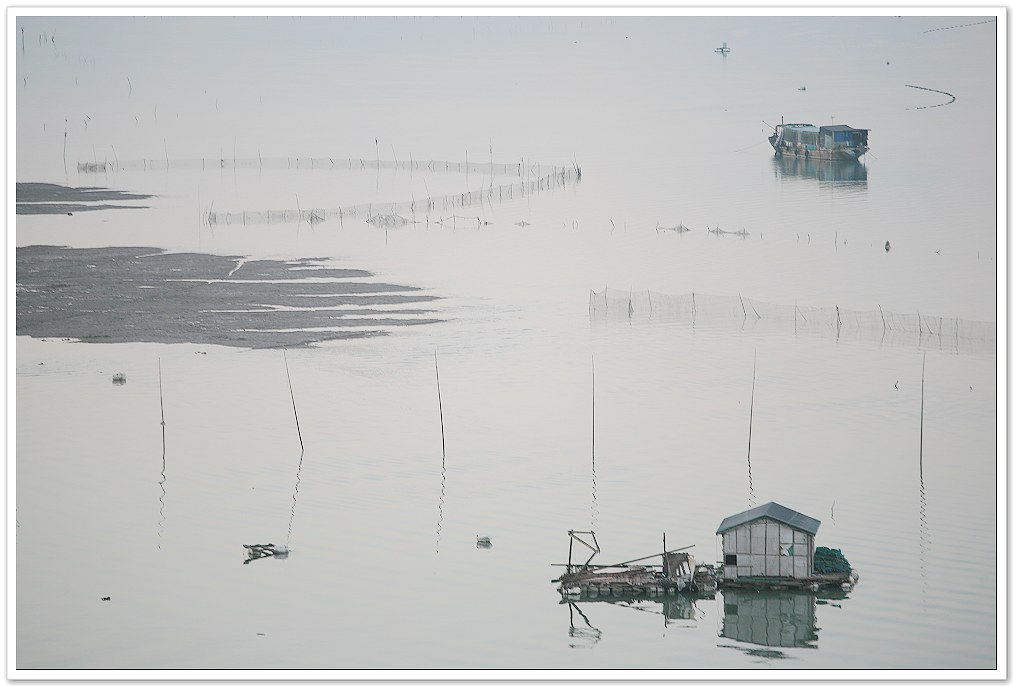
51 198
128 294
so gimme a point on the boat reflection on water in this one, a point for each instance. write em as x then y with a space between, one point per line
758 623
844 172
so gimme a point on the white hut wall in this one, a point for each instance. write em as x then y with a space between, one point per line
767 548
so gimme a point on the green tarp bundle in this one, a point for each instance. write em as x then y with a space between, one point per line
829 561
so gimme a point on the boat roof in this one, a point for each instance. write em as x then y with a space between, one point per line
779 513
841 127
803 127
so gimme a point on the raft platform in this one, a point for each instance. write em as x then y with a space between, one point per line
678 573
816 582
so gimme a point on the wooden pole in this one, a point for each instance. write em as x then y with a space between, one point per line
439 398
749 444
161 404
648 557
292 393
921 420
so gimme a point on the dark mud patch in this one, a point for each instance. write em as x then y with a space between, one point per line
51 198
126 295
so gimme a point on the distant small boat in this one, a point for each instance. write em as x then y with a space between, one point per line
483 542
835 142
724 49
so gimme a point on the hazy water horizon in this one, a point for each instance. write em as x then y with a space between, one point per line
381 507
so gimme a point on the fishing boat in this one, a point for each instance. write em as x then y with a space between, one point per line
835 142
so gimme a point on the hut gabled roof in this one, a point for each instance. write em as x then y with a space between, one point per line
779 513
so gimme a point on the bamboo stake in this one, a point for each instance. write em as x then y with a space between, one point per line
921 420
443 464
161 403
292 393
749 444
594 474
648 557
439 398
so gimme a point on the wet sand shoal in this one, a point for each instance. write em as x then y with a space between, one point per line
138 294
51 198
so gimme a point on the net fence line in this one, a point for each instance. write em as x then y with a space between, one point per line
402 212
531 177
736 312
524 168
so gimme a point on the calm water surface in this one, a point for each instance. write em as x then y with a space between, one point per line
384 572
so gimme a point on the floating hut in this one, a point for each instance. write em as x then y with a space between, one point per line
772 546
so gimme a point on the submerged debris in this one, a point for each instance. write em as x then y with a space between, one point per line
387 220
721 232
258 550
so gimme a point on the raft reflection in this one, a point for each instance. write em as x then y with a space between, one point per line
778 619
584 634
844 172
768 619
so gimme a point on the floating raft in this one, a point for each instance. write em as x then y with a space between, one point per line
816 582
679 574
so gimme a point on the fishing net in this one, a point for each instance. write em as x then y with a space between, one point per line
529 178
830 561
737 313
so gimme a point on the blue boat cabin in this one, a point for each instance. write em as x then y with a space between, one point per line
844 136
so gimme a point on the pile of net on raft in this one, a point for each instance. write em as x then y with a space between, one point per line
830 561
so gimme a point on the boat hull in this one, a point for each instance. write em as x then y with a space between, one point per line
821 153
